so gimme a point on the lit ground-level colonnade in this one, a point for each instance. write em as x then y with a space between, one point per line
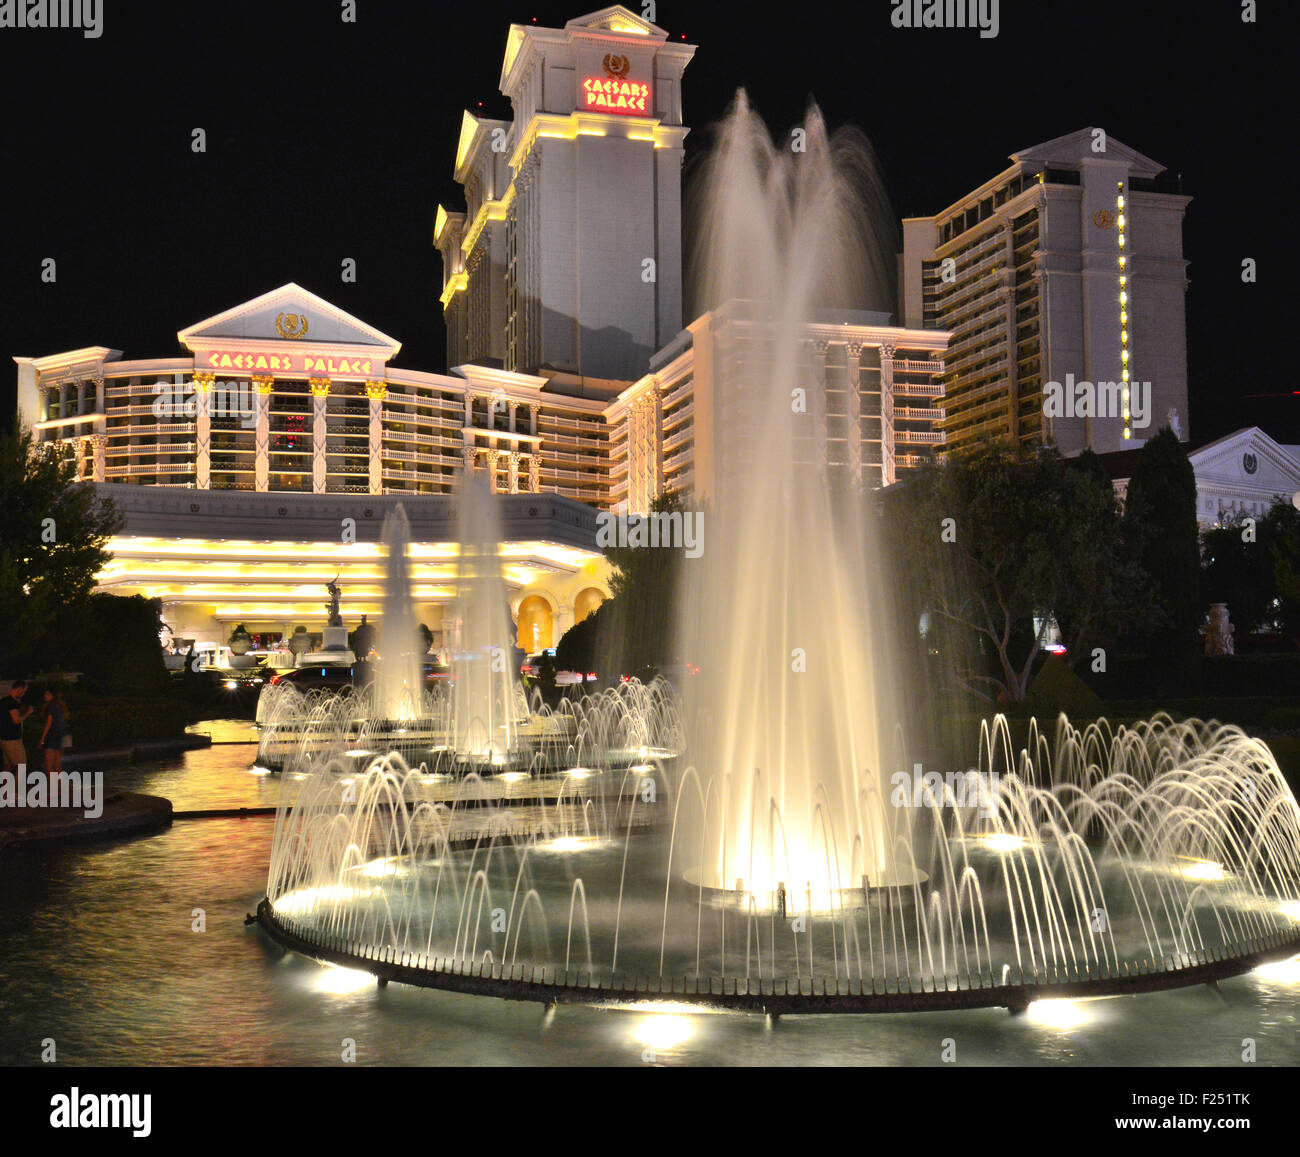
217 559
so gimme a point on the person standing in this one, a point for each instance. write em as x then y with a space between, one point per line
53 731
12 714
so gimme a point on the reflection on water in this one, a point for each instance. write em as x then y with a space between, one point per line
212 777
97 951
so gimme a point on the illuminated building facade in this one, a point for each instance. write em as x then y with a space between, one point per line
1067 263
567 260
236 463
289 393
881 412
220 558
237 460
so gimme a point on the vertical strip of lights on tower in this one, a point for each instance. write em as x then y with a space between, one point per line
1120 226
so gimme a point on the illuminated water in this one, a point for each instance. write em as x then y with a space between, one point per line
96 951
794 714
755 838
398 682
486 704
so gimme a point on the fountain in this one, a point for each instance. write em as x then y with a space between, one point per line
486 710
795 709
398 681
744 849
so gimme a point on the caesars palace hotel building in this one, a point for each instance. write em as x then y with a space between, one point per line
574 386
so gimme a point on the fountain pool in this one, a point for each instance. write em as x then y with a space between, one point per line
741 849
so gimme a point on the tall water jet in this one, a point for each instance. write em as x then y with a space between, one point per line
398 682
1112 860
485 709
792 717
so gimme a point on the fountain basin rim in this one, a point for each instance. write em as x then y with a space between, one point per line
727 994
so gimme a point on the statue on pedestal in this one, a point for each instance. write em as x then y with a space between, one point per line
1219 632
336 593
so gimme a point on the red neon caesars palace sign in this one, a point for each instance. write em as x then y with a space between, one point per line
611 94
305 365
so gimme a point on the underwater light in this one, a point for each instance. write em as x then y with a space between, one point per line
1281 971
1206 870
343 981
663 1031
1060 1014
566 844
1003 841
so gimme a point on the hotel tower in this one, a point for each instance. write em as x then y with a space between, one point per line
1066 267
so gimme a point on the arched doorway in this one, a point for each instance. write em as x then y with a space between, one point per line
536 625
586 604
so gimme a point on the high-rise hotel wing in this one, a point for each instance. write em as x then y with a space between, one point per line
1067 268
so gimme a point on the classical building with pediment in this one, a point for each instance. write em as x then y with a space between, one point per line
1238 476
260 461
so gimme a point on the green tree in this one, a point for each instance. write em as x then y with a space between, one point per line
1242 564
1282 528
53 531
993 544
636 629
1162 537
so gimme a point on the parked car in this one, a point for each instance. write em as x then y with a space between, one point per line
326 678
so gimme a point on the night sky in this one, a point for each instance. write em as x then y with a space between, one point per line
329 140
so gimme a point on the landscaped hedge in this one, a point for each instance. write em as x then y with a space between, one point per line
114 644
101 723
1216 676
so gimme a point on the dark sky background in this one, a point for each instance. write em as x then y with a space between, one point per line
329 140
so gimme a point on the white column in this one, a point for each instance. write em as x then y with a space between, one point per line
534 474
100 442
512 468
375 391
889 471
262 432
203 430
817 408
320 392
853 389
561 622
